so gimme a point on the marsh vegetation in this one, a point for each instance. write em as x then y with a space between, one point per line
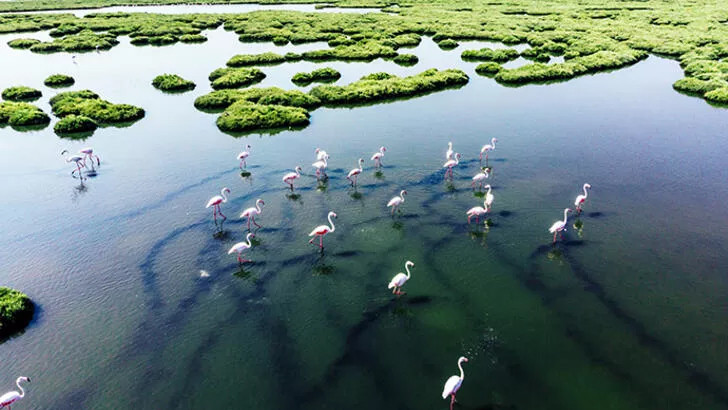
172 82
16 311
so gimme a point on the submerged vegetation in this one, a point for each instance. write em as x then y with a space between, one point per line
172 82
21 93
59 80
89 104
22 114
326 74
16 311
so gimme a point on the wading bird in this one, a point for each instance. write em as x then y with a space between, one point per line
488 197
252 211
74 158
488 147
242 246
449 164
477 212
355 172
452 385
215 202
12 396
377 157
88 152
449 152
559 226
322 230
400 279
581 199
480 177
397 201
320 154
292 176
321 165
243 155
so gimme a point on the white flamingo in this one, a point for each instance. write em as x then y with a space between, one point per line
477 212
449 152
397 201
488 197
322 230
12 396
88 152
480 177
243 156
251 212
320 154
242 246
581 198
321 165
400 279
452 385
215 202
352 176
449 164
292 176
488 147
559 226
74 158
377 157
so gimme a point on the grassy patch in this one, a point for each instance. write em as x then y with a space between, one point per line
364 51
85 40
406 59
89 104
243 60
323 75
172 82
490 68
74 123
21 93
246 116
719 95
23 43
487 54
447 44
269 96
16 311
192 38
22 114
59 80
232 77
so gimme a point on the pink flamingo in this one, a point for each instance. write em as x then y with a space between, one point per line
12 396
252 211
215 202
377 157
400 279
559 226
320 154
581 199
397 201
321 165
292 176
352 176
75 158
449 164
452 385
480 177
243 155
242 246
477 212
488 197
449 152
88 152
322 230
488 147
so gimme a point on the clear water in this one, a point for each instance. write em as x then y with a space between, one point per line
628 312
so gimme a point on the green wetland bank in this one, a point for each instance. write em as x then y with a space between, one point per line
120 292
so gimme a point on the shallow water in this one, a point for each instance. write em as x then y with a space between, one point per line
141 307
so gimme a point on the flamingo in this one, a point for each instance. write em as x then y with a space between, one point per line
488 197
322 230
12 396
480 177
476 212
242 246
400 279
452 385
74 158
252 211
449 152
397 201
243 155
89 152
449 164
321 165
320 154
215 202
355 172
292 176
377 157
581 198
488 147
559 226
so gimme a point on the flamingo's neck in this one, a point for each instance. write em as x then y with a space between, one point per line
249 243
297 173
332 223
566 211
401 196
586 193
361 163
406 267
462 373
224 195
22 392
489 188
492 142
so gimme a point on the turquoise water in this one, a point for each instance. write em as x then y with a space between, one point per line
141 307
